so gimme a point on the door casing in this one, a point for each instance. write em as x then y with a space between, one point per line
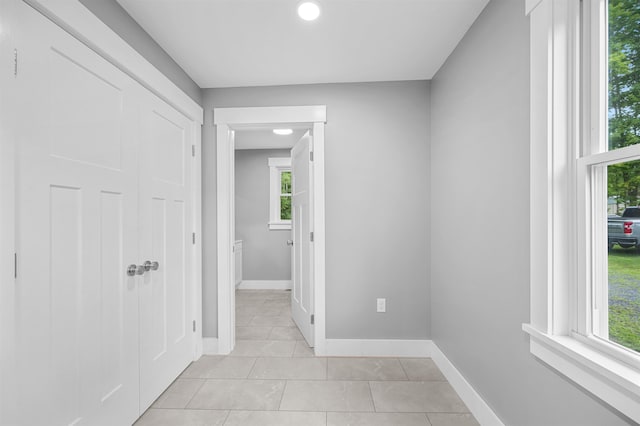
226 121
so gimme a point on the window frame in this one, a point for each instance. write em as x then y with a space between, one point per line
568 130
276 167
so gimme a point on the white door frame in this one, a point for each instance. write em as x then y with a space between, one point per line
227 120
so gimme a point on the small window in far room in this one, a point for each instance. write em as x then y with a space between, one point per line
285 195
280 193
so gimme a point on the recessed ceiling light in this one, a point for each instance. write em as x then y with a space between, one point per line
282 132
309 10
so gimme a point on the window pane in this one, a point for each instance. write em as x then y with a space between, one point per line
620 321
624 73
285 207
285 182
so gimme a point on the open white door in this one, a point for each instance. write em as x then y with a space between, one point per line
302 230
77 215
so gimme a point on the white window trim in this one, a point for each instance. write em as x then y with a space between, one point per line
276 167
559 305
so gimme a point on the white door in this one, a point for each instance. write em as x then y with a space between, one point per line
103 182
166 237
77 214
301 227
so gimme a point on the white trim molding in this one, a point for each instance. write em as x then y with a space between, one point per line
77 20
227 120
297 115
478 407
378 347
568 123
265 285
210 346
578 361
530 5
418 349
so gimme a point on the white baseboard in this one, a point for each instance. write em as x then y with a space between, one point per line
264 285
402 348
378 347
210 346
478 407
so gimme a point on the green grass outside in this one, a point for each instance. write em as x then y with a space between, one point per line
624 297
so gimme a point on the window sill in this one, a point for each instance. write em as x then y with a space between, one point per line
279 226
613 381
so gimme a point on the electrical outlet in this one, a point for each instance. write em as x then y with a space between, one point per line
382 305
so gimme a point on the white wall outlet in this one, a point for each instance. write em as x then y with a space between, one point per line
382 305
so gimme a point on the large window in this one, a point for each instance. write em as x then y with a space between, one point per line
611 167
585 192
280 193
621 321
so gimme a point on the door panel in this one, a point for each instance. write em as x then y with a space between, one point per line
77 311
176 269
165 225
64 289
112 291
302 291
96 112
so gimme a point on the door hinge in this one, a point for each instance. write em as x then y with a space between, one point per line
15 62
193 237
313 319
15 265
311 236
193 150
194 326
310 155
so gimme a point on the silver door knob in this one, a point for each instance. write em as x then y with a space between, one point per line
135 270
131 270
289 242
151 266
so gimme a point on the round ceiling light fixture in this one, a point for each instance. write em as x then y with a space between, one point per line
309 10
282 132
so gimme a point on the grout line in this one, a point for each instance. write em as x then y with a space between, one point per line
286 383
428 419
373 401
224 422
255 361
326 368
403 369
194 394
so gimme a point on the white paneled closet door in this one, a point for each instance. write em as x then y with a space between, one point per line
103 182
77 229
166 238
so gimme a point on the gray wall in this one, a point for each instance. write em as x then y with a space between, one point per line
377 203
480 172
265 254
116 18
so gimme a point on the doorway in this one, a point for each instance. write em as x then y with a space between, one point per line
228 121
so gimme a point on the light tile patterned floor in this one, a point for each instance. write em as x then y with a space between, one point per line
272 378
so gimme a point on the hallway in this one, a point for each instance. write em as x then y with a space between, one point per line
273 378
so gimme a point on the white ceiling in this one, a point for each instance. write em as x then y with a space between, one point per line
239 43
266 139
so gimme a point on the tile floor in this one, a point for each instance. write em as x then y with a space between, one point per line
272 378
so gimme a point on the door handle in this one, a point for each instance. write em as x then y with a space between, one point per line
289 242
133 270
151 266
